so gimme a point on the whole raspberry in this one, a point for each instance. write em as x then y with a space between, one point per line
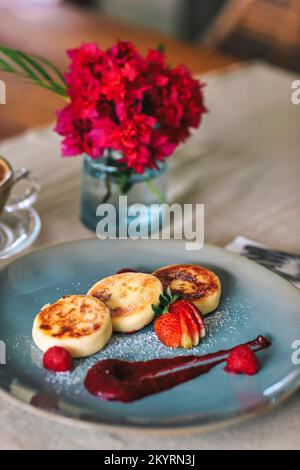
58 359
242 360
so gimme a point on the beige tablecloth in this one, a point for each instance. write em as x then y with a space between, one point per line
244 165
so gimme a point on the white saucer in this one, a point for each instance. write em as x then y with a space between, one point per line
18 230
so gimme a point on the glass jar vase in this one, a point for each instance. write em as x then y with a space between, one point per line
104 183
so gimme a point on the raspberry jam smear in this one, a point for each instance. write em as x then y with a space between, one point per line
114 379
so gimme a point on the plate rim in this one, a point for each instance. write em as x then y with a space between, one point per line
176 428
190 428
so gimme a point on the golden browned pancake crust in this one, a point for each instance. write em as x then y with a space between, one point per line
140 287
192 274
129 297
192 282
71 316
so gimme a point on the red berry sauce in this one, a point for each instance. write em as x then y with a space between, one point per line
114 379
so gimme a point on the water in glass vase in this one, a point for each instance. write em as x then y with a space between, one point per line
104 182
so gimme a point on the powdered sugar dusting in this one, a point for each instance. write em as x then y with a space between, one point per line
224 325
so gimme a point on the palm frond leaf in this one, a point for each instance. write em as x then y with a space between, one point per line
52 67
37 70
16 57
5 67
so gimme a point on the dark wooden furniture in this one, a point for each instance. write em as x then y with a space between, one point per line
265 29
50 30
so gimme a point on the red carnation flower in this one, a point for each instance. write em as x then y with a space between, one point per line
130 103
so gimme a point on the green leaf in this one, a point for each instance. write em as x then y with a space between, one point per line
44 74
5 66
30 68
35 65
164 301
16 57
52 67
156 309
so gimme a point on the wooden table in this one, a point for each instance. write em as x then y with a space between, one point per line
244 165
50 30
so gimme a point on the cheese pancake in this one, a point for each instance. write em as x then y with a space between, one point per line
78 323
129 297
194 283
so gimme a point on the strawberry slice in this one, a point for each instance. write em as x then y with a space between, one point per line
193 318
167 329
181 325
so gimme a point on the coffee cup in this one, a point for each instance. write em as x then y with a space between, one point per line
10 202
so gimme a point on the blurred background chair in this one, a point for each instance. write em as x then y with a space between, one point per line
266 29
248 29
183 18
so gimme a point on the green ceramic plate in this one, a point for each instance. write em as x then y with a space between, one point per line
254 301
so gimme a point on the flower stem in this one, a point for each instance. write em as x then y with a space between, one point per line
160 198
108 189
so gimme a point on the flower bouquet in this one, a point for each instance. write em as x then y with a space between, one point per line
125 114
